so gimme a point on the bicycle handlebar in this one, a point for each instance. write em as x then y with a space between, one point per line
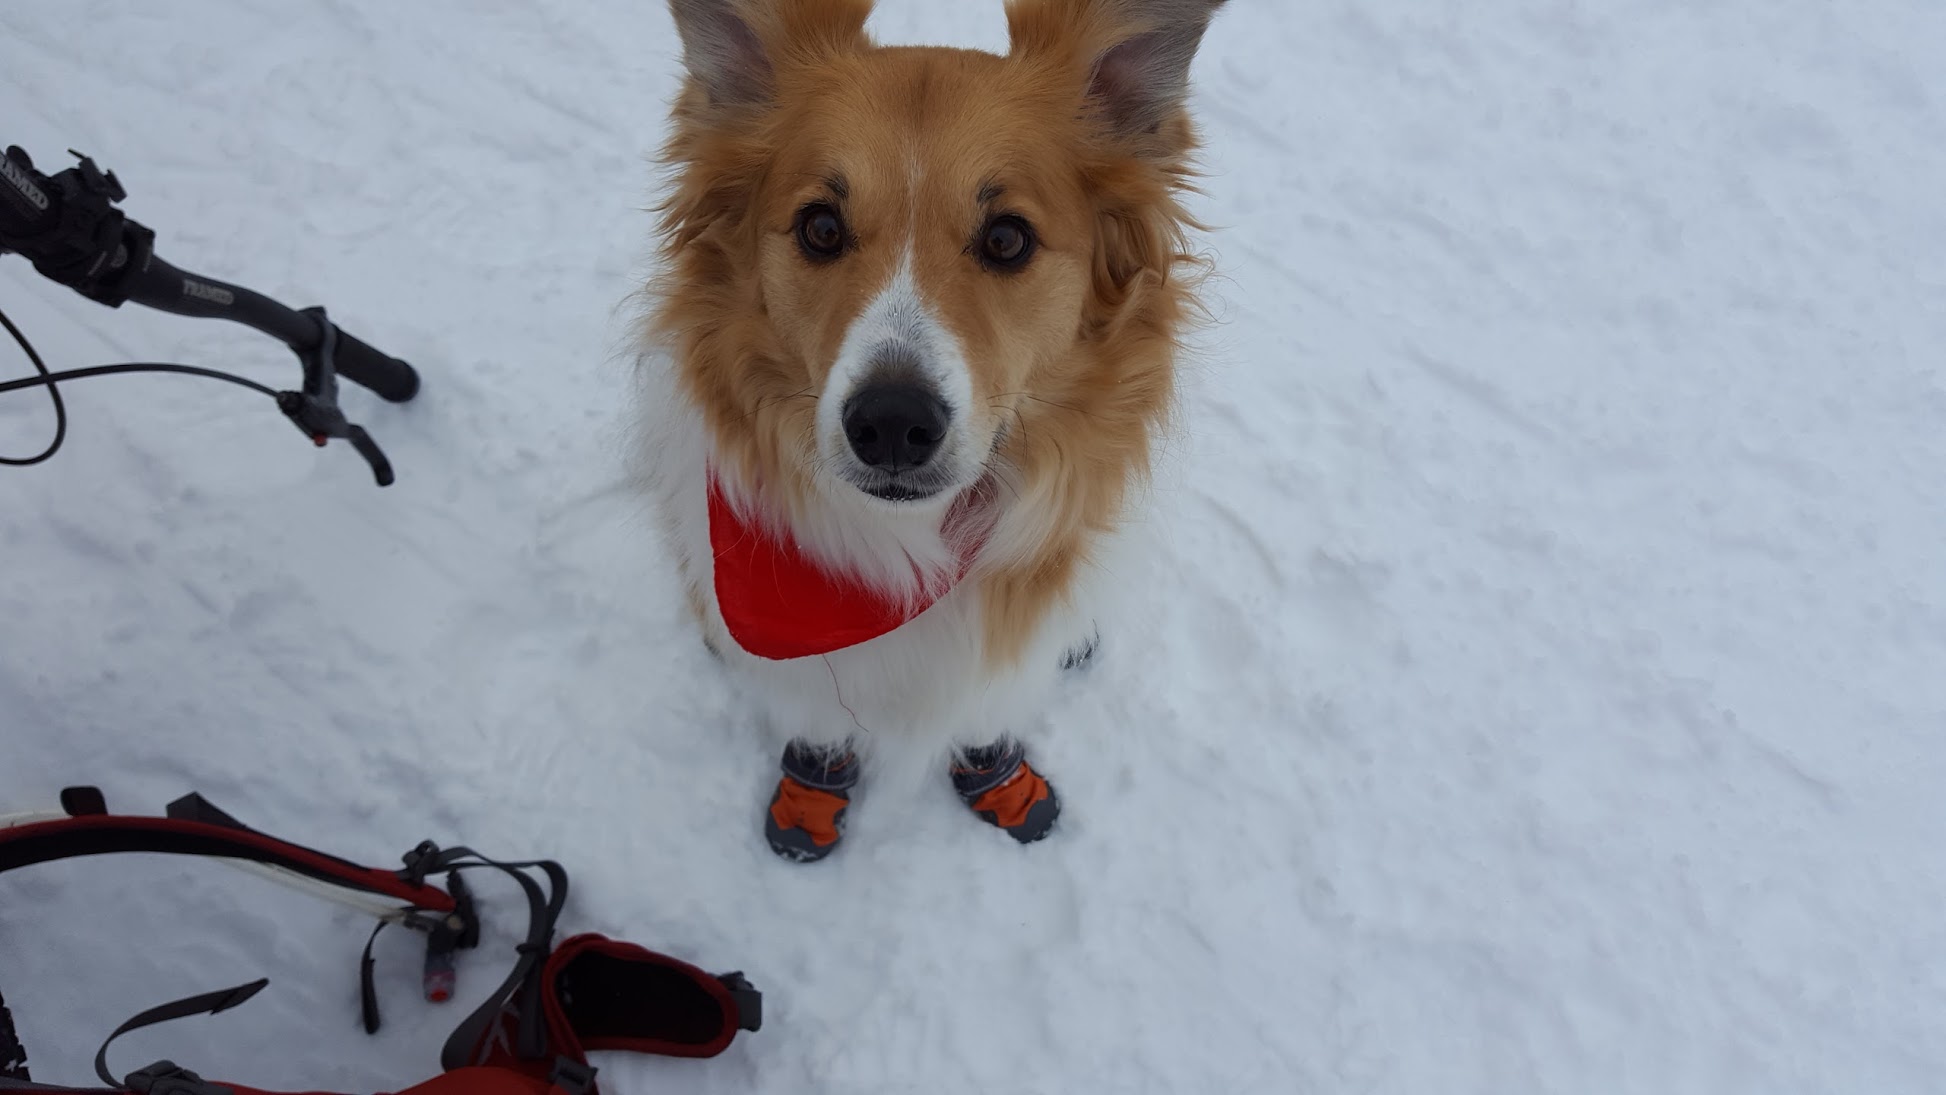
100 253
165 288
68 226
26 208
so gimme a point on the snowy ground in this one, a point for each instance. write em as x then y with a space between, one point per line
1541 689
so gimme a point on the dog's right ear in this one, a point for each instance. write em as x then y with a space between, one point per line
733 48
722 51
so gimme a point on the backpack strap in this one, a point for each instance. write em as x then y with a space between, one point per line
530 1035
209 1003
194 827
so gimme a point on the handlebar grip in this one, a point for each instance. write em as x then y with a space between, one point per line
27 206
391 378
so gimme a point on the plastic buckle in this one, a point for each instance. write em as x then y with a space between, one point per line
749 1002
571 1077
169 1078
419 862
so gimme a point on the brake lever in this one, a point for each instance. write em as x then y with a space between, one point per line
321 421
367 448
315 410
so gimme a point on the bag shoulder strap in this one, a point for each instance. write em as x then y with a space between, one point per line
194 827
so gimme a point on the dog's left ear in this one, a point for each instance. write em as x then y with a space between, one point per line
1135 53
733 48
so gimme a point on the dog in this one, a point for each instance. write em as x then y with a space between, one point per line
909 350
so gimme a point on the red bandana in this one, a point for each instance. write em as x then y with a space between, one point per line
780 603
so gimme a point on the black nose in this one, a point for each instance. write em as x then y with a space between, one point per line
895 426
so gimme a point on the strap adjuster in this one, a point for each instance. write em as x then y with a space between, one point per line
169 1078
420 862
749 1002
571 1077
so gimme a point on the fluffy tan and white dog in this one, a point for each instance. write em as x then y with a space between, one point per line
909 352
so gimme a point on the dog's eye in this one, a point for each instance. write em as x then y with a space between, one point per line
1006 243
820 232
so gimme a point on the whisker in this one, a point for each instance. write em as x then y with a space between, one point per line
762 403
1068 407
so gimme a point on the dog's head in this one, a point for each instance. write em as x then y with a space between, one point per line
894 266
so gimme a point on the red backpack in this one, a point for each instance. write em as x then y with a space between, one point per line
530 1037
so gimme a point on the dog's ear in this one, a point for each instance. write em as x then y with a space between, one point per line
722 51
1135 54
1143 79
733 48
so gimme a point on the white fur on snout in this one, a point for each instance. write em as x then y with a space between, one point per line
899 317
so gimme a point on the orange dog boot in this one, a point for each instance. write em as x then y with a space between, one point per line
998 784
807 814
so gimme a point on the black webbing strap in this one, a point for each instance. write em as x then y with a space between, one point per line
208 1003
367 987
543 910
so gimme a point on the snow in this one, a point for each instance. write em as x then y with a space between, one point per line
1536 682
